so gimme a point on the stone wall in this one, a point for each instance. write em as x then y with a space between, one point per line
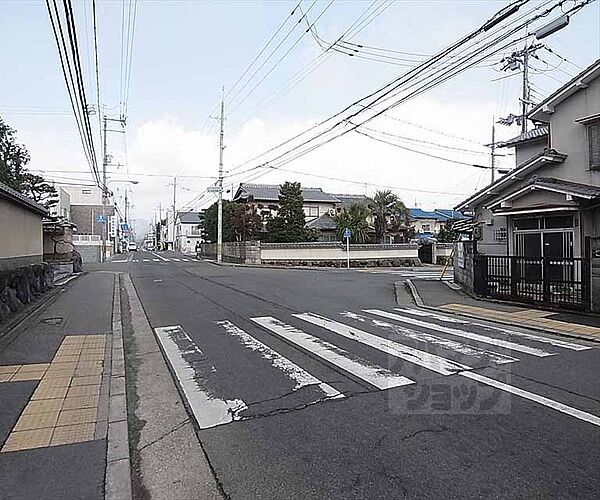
240 252
20 286
464 264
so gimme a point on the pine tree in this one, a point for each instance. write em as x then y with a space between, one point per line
288 225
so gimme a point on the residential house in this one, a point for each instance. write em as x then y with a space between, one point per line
21 223
537 233
428 224
189 227
266 199
91 220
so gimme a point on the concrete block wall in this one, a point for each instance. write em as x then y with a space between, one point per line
463 264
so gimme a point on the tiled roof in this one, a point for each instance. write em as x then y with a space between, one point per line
325 222
530 135
21 199
347 199
270 192
190 217
526 167
451 214
417 213
573 188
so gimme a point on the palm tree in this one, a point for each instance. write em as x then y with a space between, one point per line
383 205
354 218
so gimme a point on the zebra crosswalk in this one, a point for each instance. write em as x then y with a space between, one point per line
161 260
325 354
417 273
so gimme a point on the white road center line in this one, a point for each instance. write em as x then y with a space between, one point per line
426 360
452 345
555 405
505 331
361 368
291 369
462 333
208 409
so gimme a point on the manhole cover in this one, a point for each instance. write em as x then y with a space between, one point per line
52 321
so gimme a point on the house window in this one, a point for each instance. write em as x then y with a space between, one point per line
311 211
500 234
594 144
86 191
528 223
426 227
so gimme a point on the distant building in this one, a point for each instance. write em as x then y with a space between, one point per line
265 197
429 223
189 227
86 212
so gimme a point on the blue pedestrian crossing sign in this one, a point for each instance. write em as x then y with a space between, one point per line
347 233
100 219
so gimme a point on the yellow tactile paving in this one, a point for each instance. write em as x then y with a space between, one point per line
80 402
78 416
36 421
64 407
72 434
26 440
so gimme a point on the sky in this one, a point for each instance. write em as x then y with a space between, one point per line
185 51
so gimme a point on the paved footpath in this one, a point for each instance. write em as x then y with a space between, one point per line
55 388
439 296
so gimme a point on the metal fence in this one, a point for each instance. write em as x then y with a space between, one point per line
553 281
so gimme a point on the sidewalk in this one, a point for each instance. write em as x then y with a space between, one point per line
57 379
437 295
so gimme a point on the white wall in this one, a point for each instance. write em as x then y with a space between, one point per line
84 195
275 252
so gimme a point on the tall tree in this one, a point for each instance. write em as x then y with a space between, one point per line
354 218
389 213
13 169
382 205
246 222
210 222
288 226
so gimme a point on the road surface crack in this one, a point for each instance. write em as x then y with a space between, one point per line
162 436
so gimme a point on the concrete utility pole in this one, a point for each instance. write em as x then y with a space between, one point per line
104 193
220 188
493 146
526 90
174 213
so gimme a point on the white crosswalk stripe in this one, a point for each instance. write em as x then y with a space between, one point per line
208 409
550 403
505 331
292 370
462 333
374 375
425 359
193 371
452 345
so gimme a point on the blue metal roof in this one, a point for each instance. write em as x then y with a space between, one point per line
417 213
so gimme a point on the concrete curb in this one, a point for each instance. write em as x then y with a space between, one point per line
117 481
419 302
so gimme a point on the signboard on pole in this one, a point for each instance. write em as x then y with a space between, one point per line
347 235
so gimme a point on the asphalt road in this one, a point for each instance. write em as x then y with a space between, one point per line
298 392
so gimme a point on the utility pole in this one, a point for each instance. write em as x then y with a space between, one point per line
104 193
174 213
493 146
220 188
526 91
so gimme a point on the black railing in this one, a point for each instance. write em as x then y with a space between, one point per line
562 282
